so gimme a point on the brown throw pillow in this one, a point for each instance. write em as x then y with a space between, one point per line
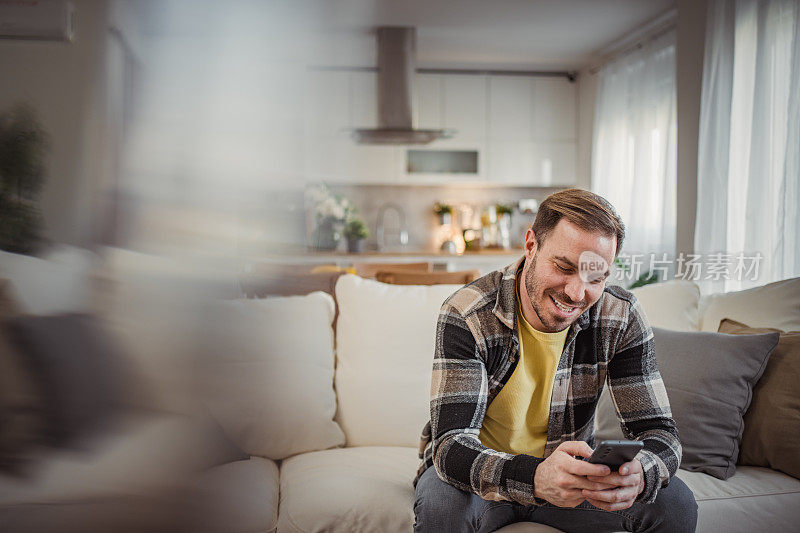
21 417
772 423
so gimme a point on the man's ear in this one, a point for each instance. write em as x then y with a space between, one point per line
530 243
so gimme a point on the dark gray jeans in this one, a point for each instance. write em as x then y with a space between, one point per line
441 507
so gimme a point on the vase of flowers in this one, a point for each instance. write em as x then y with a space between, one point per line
330 212
327 234
504 212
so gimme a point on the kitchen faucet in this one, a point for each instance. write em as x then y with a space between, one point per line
401 231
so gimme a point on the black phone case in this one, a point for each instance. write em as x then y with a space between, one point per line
615 453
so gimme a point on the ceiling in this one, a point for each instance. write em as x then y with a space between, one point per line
497 34
513 34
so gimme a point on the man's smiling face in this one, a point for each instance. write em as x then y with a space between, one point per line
554 291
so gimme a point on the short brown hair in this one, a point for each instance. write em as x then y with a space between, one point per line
588 211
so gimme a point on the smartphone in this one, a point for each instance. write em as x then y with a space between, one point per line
614 453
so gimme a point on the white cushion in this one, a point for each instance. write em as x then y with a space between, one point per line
775 305
271 374
753 499
58 284
671 304
238 497
385 342
349 489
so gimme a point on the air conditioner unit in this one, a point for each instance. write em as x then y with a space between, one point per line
43 20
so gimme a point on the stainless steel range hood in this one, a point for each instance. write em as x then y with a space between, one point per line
397 57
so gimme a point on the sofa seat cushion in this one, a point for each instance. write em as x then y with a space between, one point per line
142 455
369 489
748 481
241 496
348 489
753 499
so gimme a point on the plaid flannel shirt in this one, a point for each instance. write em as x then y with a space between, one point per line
477 349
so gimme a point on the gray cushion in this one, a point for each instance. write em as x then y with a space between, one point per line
20 399
77 368
709 379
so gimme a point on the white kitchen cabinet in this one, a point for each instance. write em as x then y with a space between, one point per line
512 162
428 105
522 127
464 104
554 163
532 135
432 178
554 106
510 108
343 161
532 163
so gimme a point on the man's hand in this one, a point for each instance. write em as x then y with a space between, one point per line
561 479
627 484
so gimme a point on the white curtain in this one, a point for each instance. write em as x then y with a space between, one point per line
749 147
634 148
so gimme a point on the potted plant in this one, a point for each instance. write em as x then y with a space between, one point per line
444 212
23 145
503 209
355 231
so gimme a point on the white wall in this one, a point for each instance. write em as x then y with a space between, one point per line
65 83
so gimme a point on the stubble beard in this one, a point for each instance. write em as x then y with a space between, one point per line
533 286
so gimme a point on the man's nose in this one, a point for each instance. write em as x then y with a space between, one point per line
575 289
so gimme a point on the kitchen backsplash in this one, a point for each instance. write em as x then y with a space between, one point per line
417 203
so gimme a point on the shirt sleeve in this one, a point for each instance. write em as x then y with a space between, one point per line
640 399
458 404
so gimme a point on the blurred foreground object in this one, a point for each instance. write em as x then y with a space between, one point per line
100 429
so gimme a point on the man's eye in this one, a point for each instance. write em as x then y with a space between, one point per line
566 270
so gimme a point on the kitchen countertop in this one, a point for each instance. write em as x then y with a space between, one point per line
481 257
415 253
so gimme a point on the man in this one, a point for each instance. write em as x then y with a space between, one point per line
521 358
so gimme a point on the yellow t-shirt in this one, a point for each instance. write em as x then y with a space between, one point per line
516 420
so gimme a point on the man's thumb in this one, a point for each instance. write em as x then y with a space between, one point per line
576 447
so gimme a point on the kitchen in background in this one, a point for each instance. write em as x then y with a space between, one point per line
411 209
395 141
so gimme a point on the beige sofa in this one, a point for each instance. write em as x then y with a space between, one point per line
330 420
